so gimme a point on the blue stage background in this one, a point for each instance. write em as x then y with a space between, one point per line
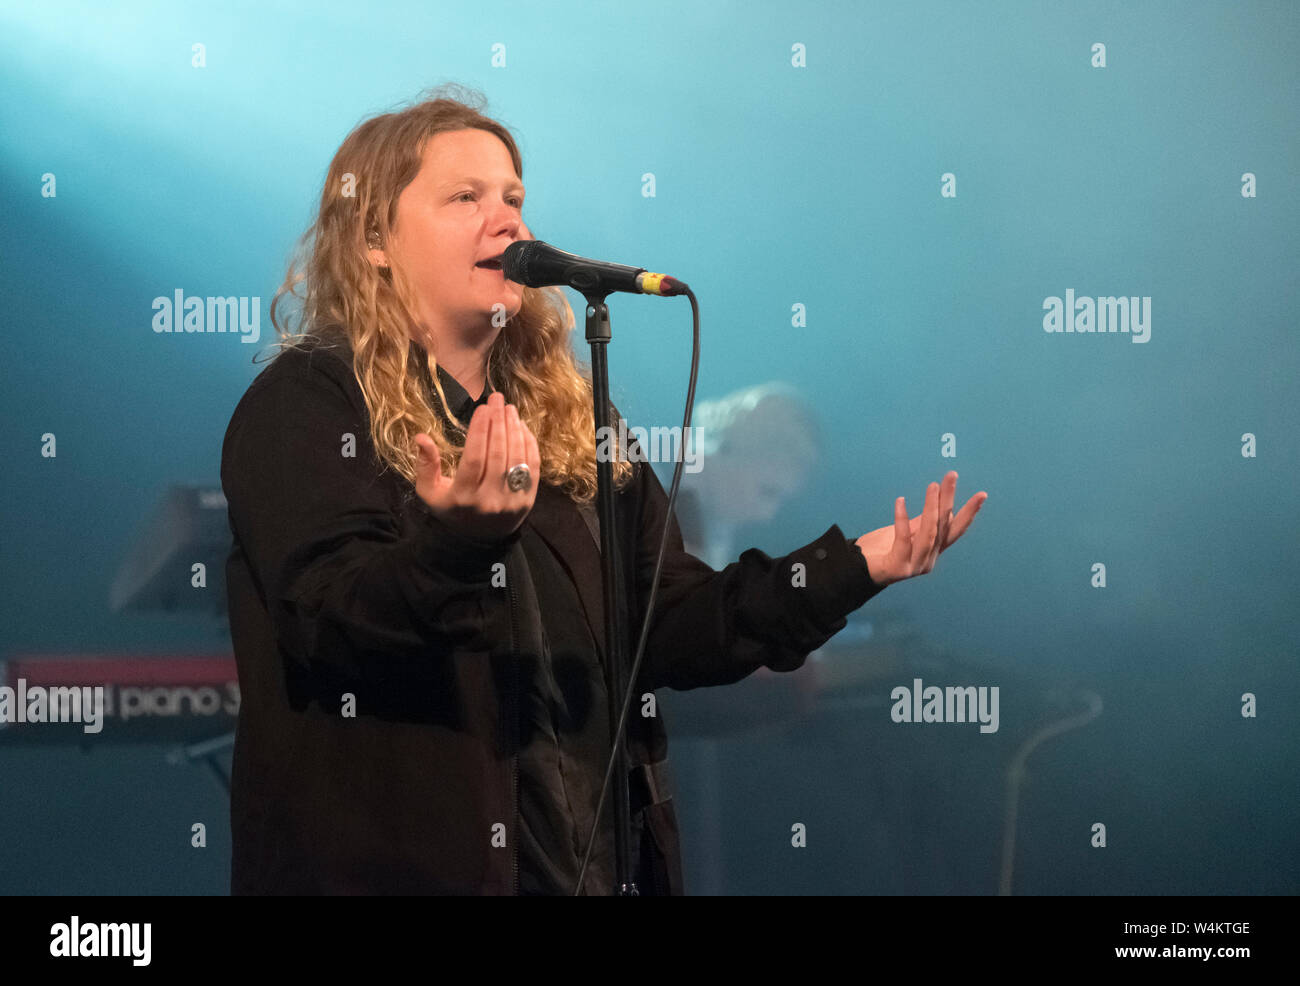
801 156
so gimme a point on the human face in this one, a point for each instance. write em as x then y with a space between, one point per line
465 205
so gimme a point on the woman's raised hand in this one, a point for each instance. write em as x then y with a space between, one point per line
477 501
911 547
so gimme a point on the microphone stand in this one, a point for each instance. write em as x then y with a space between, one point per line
615 589
596 281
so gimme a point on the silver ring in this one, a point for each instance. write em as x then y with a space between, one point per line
519 478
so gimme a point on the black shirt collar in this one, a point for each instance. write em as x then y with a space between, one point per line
458 399
462 405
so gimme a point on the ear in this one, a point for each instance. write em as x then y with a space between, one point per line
377 256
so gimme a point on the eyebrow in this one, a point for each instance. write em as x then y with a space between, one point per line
510 186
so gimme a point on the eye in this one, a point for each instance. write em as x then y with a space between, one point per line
515 200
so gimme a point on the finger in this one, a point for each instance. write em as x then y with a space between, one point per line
963 520
947 492
469 474
902 547
494 472
967 514
428 461
534 462
514 439
924 549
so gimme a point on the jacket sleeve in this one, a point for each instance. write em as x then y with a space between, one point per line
715 627
347 585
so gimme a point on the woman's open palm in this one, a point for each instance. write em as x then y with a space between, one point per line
476 500
910 547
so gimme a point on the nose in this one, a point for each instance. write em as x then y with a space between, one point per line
504 220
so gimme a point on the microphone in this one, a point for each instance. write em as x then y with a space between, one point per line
536 264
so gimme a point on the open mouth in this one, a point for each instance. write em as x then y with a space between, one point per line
493 263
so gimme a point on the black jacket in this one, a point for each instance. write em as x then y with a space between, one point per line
377 737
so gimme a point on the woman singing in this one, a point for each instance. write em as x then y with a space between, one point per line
414 585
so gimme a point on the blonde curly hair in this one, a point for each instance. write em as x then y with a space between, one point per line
531 362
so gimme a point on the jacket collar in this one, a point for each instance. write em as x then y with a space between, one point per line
459 401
